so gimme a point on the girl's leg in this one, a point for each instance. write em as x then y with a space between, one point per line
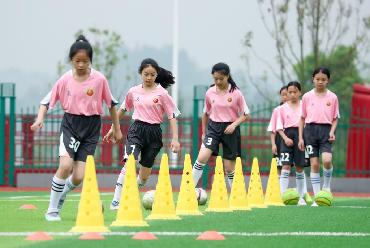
315 175
284 178
57 186
118 188
203 157
73 181
144 174
328 169
230 170
300 181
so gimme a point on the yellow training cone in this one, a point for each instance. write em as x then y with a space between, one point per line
130 211
90 217
255 191
187 203
163 206
238 196
273 196
218 201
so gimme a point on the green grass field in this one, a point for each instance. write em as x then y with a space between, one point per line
346 223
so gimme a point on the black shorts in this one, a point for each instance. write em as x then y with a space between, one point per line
316 139
278 141
144 141
79 136
292 155
231 143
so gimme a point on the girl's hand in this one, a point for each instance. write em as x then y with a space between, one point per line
117 136
38 124
331 137
274 149
109 136
301 145
175 146
288 142
230 129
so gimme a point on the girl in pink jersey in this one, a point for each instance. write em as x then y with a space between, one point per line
320 113
275 137
81 92
149 101
224 110
290 155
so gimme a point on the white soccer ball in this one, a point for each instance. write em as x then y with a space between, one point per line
148 199
201 196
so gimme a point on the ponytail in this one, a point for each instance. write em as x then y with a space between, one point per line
164 77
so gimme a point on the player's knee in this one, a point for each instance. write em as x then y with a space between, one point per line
286 167
327 163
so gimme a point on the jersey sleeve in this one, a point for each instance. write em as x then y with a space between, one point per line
207 105
51 99
336 109
272 125
169 106
279 120
304 106
128 103
243 107
107 95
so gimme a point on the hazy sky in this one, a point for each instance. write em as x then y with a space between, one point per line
36 34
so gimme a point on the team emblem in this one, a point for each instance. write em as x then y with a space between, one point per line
328 104
229 99
155 100
89 92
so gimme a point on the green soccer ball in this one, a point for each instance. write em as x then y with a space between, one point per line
290 197
324 198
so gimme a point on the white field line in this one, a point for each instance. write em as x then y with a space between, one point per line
245 234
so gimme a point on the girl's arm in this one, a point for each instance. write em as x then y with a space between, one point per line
117 134
204 124
332 130
230 128
300 134
273 144
175 145
39 122
287 140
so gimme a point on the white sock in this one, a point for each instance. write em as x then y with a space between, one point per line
299 179
315 180
57 186
327 178
284 180
69 186
230 178
118 189
305 183
140 182
197 172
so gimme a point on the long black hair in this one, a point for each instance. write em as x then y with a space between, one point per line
164 77
224 69
81 43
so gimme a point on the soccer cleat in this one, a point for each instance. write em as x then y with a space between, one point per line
307 198
314 204
114 205
301 202
52 217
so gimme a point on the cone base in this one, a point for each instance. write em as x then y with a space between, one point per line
81 229
274 204
184 212
258 206
218 210
163 217
129 223
240 208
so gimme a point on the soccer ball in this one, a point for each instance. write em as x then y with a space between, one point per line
324 198
290 197
148 199
201 196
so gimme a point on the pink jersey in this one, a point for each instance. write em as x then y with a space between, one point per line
84 98
149 106
274 117
320 109
288 116
225 107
